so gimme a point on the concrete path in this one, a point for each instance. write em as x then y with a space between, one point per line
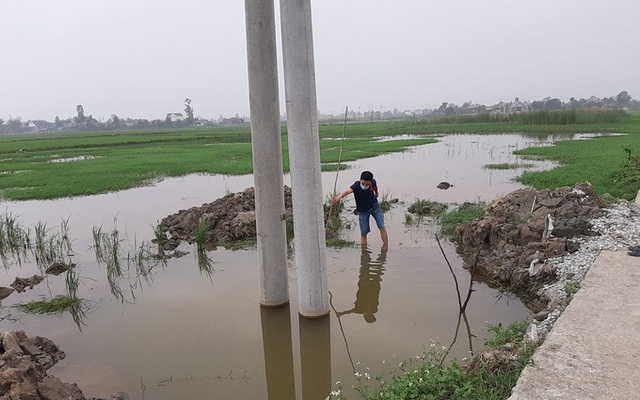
593 349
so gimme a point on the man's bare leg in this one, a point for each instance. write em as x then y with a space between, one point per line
384 236
363 240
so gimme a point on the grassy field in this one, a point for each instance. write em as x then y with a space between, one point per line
60 165
74 164
610 163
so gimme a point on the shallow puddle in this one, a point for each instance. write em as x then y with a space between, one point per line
186 333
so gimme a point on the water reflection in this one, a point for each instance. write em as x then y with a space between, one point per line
278 353
315 357
205 263
462 316
370 277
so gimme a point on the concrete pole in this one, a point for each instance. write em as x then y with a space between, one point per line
304 157
266 144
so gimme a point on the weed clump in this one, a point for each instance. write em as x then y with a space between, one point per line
427 207
489 375
50 306
465 213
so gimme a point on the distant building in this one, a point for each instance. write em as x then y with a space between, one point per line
39 126
233 121
175 117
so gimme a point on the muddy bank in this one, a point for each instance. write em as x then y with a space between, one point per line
229 219
521 231
24 362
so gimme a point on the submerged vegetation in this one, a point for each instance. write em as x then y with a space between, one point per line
508 166
132 269
49 306
423 207
19 244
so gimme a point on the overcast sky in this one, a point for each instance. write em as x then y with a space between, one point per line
142 58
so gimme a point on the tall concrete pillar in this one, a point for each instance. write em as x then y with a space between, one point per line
266 144
304 157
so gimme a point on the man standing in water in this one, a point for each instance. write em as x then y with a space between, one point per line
366 193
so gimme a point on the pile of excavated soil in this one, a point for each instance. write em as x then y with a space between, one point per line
230 219
24 362
521 231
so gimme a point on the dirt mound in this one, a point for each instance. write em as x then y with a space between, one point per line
229 219
24 363
523 229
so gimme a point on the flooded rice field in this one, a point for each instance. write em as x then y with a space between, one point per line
184 331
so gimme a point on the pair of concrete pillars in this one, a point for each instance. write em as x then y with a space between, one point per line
304 155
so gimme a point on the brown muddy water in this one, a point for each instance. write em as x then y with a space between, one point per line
185 334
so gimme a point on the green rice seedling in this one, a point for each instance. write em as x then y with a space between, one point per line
54 305
40 243
72 281
201 233
107 249
205 264
64 233
332 209
97 243
408 219
78 314
387 201
14 240
144 261
160 235
333 227
51 247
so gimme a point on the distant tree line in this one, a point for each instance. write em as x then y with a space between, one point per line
82 122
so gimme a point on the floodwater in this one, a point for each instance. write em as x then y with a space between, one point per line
187 334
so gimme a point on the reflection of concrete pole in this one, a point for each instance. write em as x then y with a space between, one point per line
266 143
304 157
278 353
315 358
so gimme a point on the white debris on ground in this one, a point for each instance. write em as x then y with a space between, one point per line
618 228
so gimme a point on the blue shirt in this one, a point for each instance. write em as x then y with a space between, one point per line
365 198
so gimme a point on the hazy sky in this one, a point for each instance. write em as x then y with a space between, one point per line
142 58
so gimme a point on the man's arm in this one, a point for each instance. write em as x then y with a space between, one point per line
341 195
